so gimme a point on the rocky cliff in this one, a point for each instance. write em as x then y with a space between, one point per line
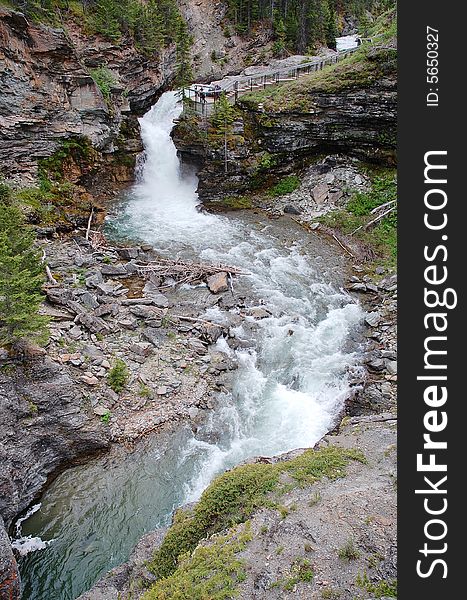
285 128
49 90
48 93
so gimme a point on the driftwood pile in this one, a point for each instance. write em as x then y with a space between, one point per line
184 271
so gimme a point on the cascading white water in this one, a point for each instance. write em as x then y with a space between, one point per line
287 392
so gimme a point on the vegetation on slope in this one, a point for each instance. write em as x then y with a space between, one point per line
212 571
233 497
301 25
354 219
152 24
21 277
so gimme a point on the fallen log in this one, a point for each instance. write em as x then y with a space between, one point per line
185 272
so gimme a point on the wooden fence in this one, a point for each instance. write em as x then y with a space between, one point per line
234 87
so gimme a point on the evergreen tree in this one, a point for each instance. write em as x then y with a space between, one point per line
184 41
223 115
280 43
21 277
330 26
222 120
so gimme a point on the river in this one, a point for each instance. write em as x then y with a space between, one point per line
287 392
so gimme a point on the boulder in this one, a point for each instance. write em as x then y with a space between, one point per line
291 210
320 192
145 312
157 298
218 283
373 319
114 270
129 253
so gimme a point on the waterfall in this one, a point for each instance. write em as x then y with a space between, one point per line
289 388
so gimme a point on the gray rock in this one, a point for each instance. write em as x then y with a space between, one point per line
94 280
89 379
193 412
92 323
143 349
145 312
154 336
259 313
320 192
108 288
358 287
291 210
135 301
76 332
391 366
114 270
377 365
107 309
89 300
128 323
82 260
157 298
334 197
131 268
373 319
129 253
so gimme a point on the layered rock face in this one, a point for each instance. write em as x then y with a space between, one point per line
49 95
359 123
46 425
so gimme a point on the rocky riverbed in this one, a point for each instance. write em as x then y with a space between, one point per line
59 406
355 554
100 311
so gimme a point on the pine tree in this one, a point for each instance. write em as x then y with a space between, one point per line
21 277
330 25
222 120
223 115
184 41
280 43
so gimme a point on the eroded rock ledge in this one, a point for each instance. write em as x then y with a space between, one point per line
48 93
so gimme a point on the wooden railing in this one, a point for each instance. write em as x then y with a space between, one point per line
236 87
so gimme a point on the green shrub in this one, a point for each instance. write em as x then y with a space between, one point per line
285 186
233 496
118 376
104 79
380 589
348 551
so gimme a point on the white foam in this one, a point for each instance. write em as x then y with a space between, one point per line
29 543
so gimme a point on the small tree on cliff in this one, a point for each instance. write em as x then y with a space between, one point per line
222 120
20 278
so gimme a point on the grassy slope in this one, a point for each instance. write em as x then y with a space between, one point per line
181 563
